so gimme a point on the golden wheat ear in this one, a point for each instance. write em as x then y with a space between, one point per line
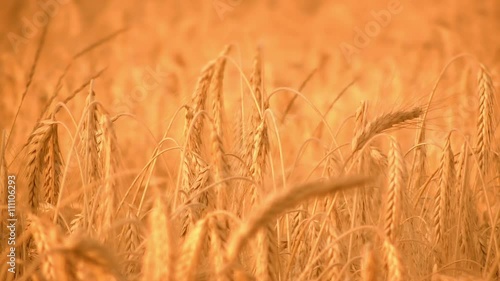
382 124
36 153
159 258
220 163
52 166
393 263
108 192
195 171
443 199
188 265
485 124
91 140
393 202
47 237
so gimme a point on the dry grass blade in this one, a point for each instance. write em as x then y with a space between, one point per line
301 87
30 77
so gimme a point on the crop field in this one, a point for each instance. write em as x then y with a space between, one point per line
166 140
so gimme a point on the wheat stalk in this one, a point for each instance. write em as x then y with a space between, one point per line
369 268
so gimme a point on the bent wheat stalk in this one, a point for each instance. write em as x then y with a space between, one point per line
280 202
382 124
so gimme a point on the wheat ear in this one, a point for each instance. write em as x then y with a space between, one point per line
194 169
52 166
397 175
47 237
394 266
188 264
109 189
36 150
159 259
221 165
443 196
383 123
485 121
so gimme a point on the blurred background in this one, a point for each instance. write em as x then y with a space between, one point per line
150 54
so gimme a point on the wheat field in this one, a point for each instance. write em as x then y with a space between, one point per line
249 140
